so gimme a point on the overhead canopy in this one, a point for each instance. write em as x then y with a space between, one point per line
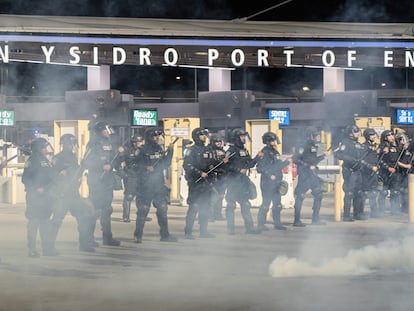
209 43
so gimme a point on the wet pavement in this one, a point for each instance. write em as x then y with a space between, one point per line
229 272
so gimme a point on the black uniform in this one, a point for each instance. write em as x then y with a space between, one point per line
391 153
353 153
219 180
67 185
131 180
102 152
238 189
305 157
38 176
198 159
152 161
370 184
270 167
406 158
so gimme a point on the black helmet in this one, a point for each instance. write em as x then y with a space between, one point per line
351 129
270 136
100 126
312 133
385 134
136 138
368 132
151 133
38 144
195 134
402 138
235 135
68 140
215 138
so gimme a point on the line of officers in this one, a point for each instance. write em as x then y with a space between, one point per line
213 173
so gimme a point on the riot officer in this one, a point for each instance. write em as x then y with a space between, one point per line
306 158
152 162
219 178
68 172
353 155
370 173
198 161
405 168
239 185
38 176
131 175
101 159
390 153
270 167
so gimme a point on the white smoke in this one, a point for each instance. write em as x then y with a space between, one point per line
386 256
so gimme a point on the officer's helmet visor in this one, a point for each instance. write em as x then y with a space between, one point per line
109 129
404 139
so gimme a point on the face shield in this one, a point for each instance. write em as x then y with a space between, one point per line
404 139
109 129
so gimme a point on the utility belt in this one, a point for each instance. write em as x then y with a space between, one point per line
353 169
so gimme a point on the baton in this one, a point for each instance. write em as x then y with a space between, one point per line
214 167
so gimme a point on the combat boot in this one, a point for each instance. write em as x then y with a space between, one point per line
262 227
189 236
316 221
347 214
168 238
109 241
298 223
252 230
86 248
207 235
279 226
50 252
360 216
33 254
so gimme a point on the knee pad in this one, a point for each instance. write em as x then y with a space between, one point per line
359 193
300 196
394 193
349 195
317 196
129 197
162 209
143 210
277 207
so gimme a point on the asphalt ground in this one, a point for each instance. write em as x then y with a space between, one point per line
340 266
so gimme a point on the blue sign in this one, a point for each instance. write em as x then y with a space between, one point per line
283 116
405 116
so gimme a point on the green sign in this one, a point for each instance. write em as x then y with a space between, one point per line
144 117
6 117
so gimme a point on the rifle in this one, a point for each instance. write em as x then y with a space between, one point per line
377 164
115 156
410 163
4 163
214 167
160 158
396 163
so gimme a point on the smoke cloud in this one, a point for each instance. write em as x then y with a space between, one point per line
390 255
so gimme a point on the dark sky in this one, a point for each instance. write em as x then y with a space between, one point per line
295 10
